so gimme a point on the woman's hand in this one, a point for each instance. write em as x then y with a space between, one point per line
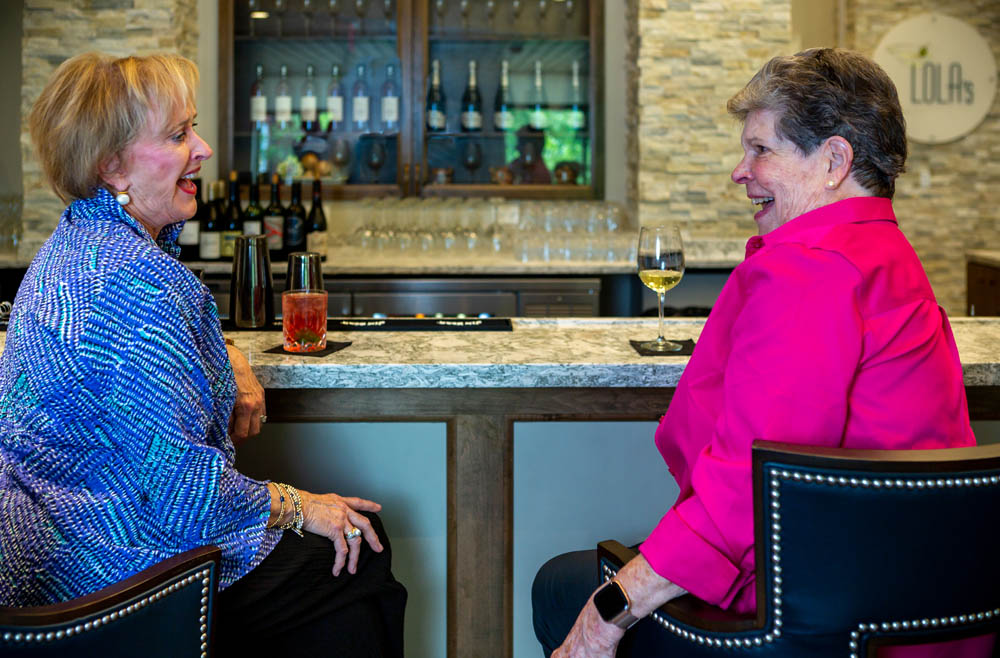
249 408
590 637
331 515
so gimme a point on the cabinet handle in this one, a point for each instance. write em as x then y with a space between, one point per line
406 176
416 176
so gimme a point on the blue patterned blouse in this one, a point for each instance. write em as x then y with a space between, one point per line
115 397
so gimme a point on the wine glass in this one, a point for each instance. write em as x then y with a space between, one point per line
376 158
387 9
515 8
661 266
341 157
543 7
307 9
334 8
472 158
491 10
279 8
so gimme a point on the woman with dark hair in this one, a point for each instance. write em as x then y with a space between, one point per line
828 334
120 400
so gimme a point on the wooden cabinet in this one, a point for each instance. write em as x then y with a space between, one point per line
562 160
983 283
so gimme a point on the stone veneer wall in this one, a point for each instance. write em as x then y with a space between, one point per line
960 208
694 54
55 30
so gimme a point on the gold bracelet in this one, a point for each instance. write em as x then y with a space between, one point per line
295 524
281 499
230 341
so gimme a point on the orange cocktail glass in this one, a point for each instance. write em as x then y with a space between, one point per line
304 320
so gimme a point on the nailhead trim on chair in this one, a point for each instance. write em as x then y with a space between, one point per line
881 483
877 483
50 636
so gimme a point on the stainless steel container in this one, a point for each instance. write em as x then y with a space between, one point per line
251 300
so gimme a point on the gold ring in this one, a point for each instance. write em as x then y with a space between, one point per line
353 533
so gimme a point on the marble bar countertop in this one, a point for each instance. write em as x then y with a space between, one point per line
538 353
702 253
990 257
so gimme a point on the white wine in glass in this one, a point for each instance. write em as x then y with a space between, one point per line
661 266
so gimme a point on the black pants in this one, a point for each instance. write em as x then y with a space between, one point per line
561 588
292 605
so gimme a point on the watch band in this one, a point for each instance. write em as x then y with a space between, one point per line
614 606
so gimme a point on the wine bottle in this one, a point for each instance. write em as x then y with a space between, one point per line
283 101
274 220
316 233
503 115
307 103
360 101
232 219
253 214
210 237
390 101
188 238
436 117
577 119
258 101
295 221
335 102
472 103
537 119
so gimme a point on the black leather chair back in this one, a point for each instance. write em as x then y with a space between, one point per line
855 550
165 611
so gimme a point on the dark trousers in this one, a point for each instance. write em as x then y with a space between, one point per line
561 588
292 605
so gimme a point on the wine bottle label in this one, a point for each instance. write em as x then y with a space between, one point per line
283 108
307 105
335 106
190 233
390 108
258 108
472 120
228 244
538 119
251 227
435 119
503 120
274 226
295 227
316 241
359 108
209 245
576 120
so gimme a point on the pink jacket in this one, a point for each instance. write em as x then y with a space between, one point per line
829 334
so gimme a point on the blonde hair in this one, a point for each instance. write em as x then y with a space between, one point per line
95 106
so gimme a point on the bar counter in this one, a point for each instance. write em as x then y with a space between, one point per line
479 384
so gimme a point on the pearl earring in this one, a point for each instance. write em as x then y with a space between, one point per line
123 198
830 183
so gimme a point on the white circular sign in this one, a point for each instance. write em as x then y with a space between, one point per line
945 73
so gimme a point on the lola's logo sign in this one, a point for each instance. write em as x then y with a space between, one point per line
945 73
940 83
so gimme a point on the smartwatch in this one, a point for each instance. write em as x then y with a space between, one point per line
614 606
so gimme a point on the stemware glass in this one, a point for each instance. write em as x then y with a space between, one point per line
334 8
375 159
472 158
491 11
279 9
515 8
307 9
341 157
543 7
660 257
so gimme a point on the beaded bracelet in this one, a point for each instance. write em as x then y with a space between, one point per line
281 500
295 524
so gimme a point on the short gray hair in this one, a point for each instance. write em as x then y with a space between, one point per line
822 92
